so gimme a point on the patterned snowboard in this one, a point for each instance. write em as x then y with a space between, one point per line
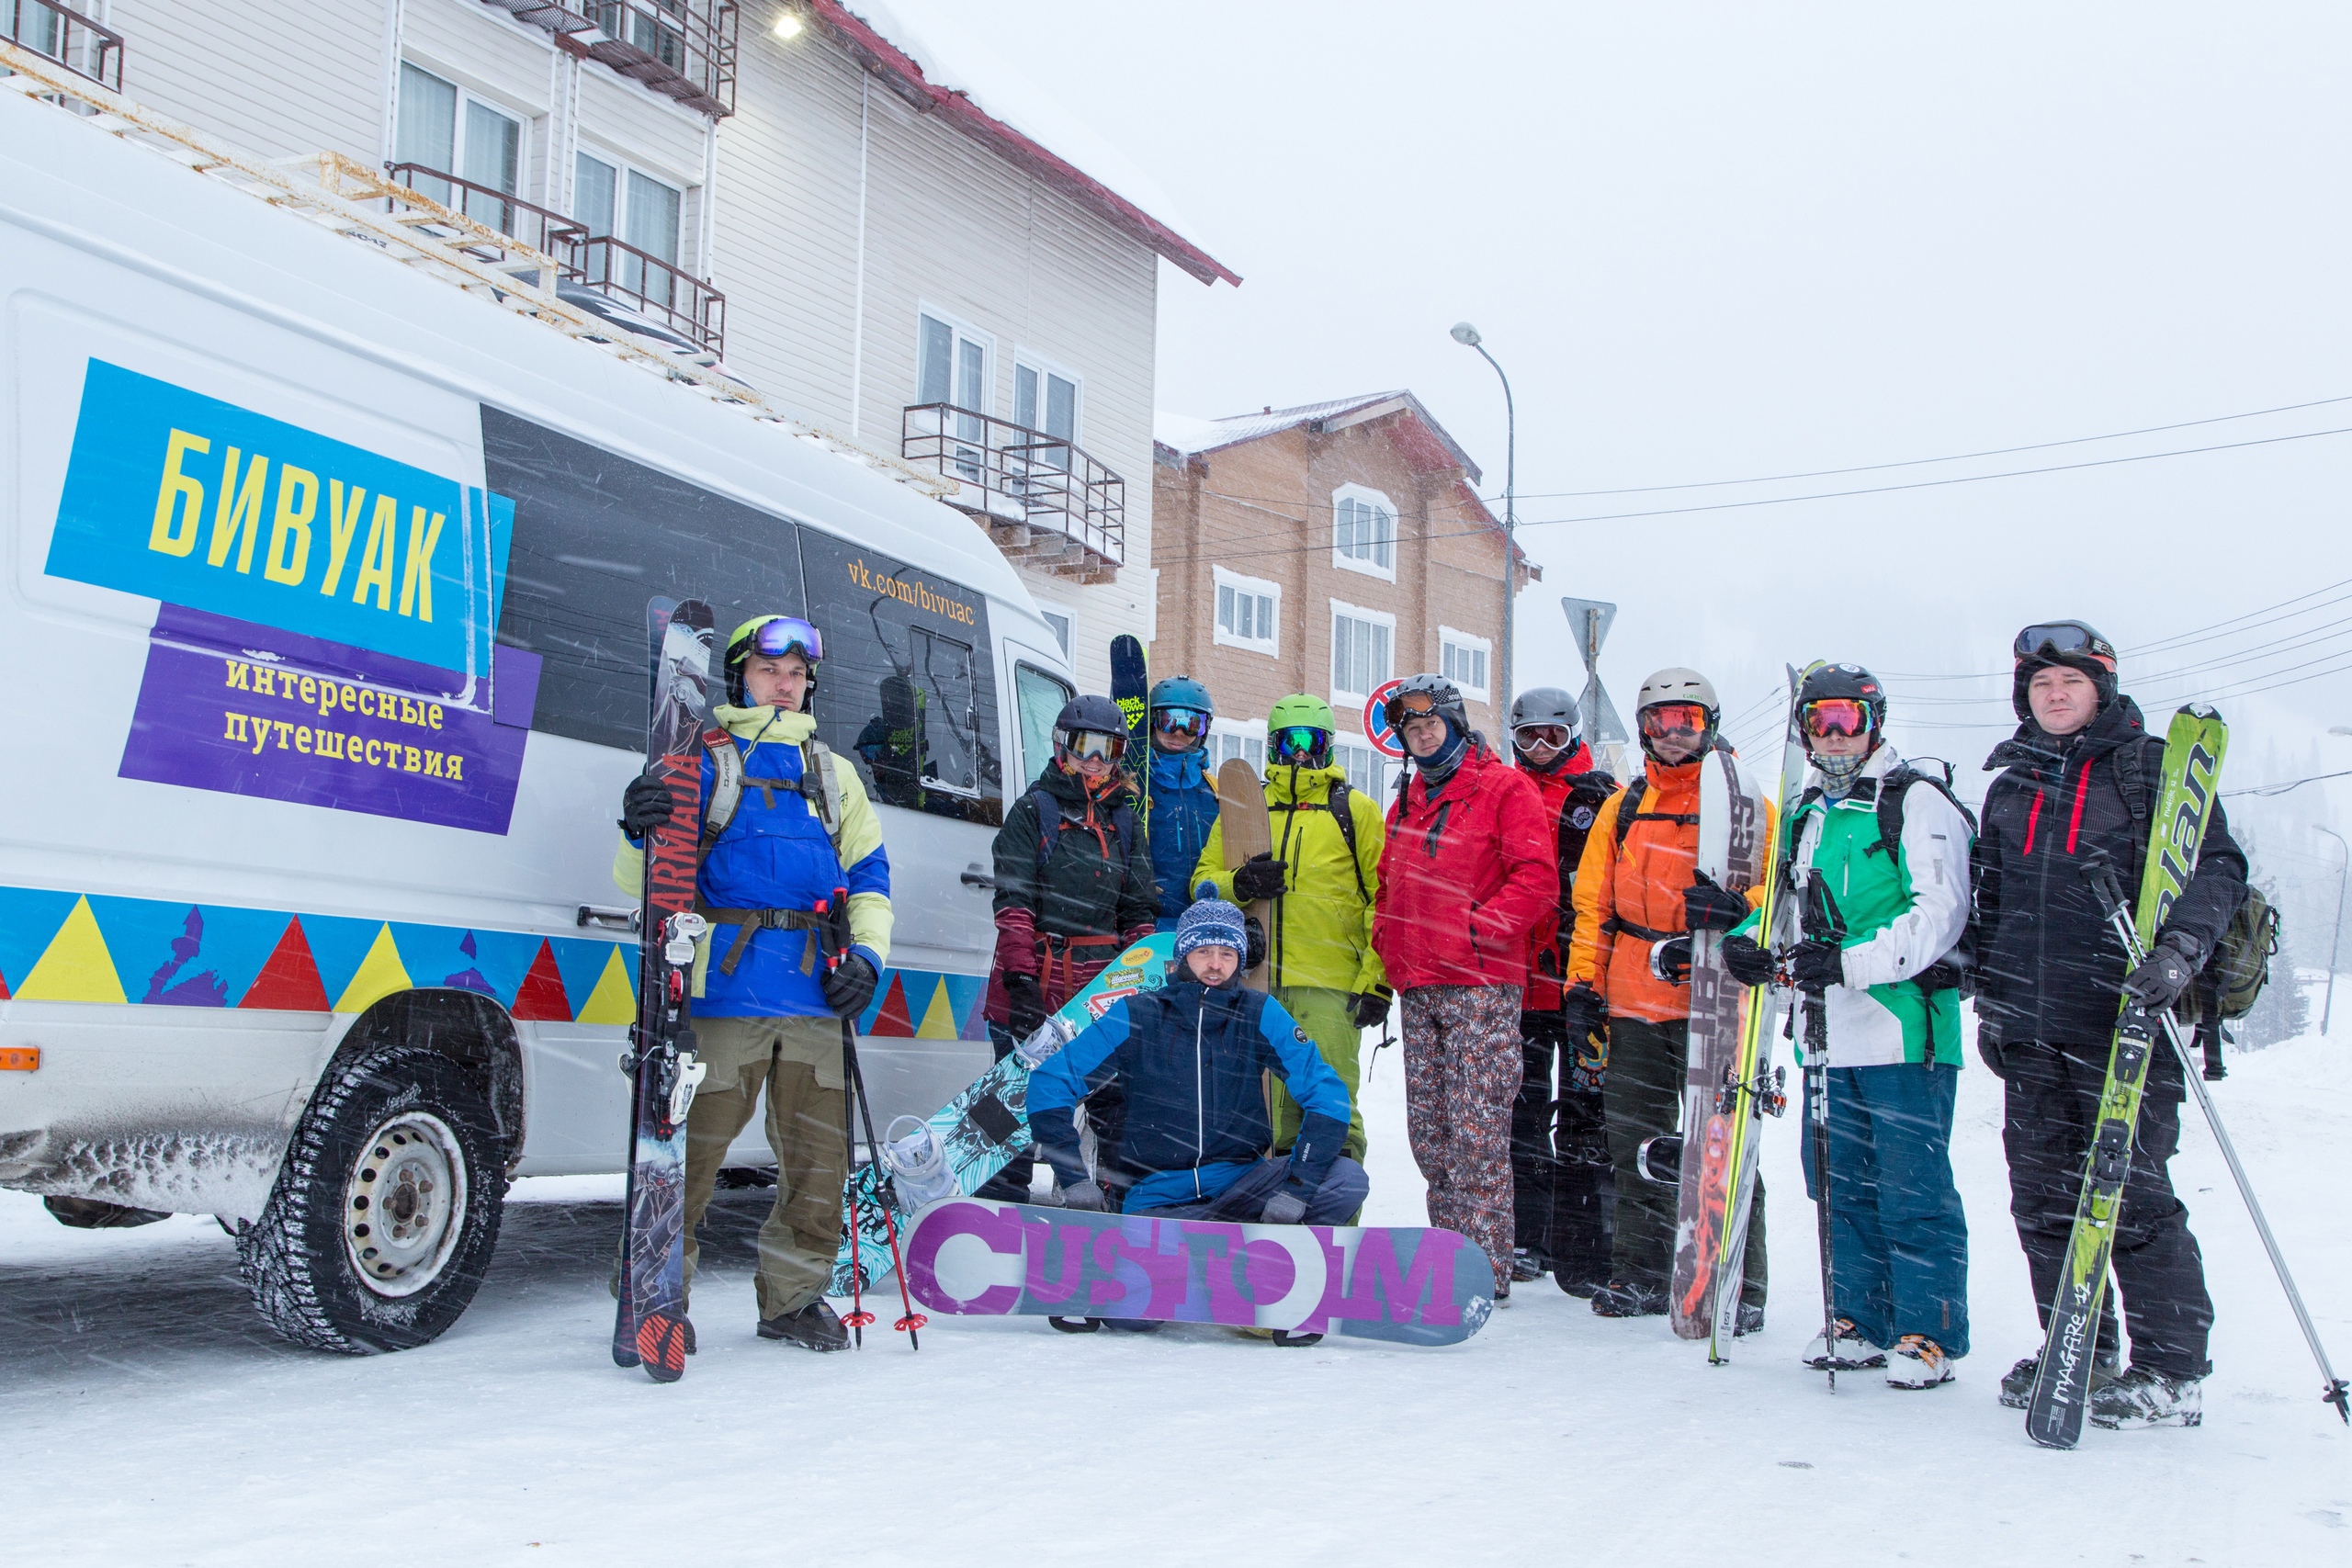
973 1258
982 1129
1248 830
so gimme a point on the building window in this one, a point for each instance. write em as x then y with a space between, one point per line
1046 401
1242 738
1249 612
1060 622
1463 660
1361 760
951 366
445 128
1363 531
640 211
1362 651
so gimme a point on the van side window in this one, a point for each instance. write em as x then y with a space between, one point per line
906 690
595 536
1042 699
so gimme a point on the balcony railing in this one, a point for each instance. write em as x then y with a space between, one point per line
644 282
71 38
681 48
1025 483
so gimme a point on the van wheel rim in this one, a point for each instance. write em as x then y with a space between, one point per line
402 1207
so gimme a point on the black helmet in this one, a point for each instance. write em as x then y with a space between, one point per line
1849 688
1438 693
1088 715
1850 680
2074 643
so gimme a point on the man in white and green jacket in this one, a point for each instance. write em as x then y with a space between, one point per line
1889 847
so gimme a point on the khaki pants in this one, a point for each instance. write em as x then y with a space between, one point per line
1329 1021
799 1062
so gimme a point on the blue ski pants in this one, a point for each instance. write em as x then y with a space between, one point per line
1898 1238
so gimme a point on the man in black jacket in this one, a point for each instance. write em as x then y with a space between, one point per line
2080 777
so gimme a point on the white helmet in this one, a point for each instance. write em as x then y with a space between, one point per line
1676 684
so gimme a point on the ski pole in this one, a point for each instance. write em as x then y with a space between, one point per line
909 1321
2110 897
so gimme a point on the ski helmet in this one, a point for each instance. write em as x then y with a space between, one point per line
1543 706
1676 687
2074 643
1299 729
1852 700
770 637
1089 717
1187 704
1424 693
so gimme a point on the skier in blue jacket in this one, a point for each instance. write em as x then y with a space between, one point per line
1192 1056
1178 797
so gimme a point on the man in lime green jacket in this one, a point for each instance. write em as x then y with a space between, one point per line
1320 880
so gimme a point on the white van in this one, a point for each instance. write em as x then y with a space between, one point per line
324 663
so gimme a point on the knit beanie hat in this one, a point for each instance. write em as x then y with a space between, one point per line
1211 922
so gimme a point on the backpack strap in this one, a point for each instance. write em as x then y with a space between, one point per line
816 786
1344 815
1629 811
726 784
1049 827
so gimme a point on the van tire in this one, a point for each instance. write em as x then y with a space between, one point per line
404 1131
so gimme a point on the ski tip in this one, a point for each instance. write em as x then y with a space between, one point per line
662 1347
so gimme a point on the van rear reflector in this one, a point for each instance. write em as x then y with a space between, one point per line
20 1058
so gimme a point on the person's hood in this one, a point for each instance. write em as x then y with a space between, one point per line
2032 746
767 723
1179 769
1286 786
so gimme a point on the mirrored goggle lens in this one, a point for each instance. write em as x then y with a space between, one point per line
1555 736
1180 721
1836 716
1666 719
789 633
1087 745
1412 705
1297 741
2060 637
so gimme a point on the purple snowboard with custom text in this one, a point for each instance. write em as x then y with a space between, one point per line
970 1257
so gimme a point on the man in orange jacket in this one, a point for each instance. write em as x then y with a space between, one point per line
1637 900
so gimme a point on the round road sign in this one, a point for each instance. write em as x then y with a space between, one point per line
1376 721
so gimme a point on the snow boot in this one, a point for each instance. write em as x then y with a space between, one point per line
1854 1352
1525 1266
2017 1386
1629 1299
1075 1324
1285 1338
1748 1320
2143 1398
813 1327
1918 1362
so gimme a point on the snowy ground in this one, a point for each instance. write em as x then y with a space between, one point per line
152 1421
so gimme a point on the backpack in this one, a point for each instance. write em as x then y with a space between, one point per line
1896 783
816 786
2240 966
1049 827
1336 799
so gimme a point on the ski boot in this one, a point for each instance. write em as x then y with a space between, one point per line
1854 1352
1284 1338
1629 1299
813 1327
2017 1385
1526 1265
1918 1362
2143 1398
1748 1320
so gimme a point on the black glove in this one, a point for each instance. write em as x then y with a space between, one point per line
1817 965
1086 1195
1988 1046
1670 960
1707 907
1025 1005
1259 879
1368 1008
1257 952
2165 973
1284 1207
850 986
645 805
1749 964
1583 1016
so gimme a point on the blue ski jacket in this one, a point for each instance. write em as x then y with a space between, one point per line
1180 809
1192 1059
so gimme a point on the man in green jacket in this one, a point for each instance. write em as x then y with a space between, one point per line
1320 880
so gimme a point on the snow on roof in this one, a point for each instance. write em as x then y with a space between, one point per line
947 66
1185 433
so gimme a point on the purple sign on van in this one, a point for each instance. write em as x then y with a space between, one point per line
246 710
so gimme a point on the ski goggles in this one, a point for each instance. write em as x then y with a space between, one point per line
1093 745
781 635
1558 736
2060 637
1297 742
1669 718
1192 722
1836 716
1409 705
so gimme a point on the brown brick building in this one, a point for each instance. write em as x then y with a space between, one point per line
1324 549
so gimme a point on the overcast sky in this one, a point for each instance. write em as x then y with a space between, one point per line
1718 241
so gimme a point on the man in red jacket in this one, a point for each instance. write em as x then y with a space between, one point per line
1466 873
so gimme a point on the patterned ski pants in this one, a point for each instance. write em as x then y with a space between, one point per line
1462 1067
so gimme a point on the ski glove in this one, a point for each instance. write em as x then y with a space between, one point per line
1025 1005
850 986
1368 1008
2157 983
1584 1017
1086 1196
1988 1048
1670 960
1257 934
1259 879
1749 964
1817 965
645 805
1283 1209
1708 907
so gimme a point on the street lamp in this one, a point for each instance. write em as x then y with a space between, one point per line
2328 1007
1467 336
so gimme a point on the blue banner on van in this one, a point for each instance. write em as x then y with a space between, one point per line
186 499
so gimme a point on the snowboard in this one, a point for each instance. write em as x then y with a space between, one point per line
980 1131
649 1328
2194 747
1730 851
1248 830
1406 1286
1131 689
